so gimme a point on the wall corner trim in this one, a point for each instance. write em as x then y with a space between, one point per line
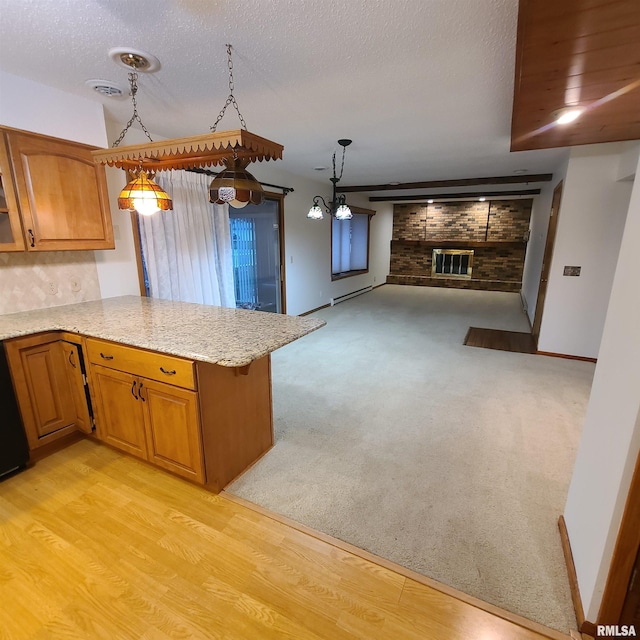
583 625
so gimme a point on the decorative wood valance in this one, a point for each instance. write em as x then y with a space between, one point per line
205 150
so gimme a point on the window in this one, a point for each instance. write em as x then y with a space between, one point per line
350 244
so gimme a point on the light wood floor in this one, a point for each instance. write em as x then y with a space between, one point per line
94 544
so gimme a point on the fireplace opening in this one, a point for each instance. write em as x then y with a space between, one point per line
452 263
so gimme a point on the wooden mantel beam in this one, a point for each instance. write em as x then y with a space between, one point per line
445 184
459 196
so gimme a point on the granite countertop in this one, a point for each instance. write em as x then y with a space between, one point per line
228 337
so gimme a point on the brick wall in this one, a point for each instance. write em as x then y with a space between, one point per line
417 228
456 220
509 219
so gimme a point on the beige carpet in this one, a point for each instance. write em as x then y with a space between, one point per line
452 461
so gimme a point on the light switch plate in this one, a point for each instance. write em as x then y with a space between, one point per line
571 271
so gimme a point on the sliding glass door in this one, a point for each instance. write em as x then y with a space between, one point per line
257 262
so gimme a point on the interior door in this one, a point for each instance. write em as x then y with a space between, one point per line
546 261
631 609
258 265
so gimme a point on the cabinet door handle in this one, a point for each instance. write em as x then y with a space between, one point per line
140 393
32 238
71 362
171 372
106 357
133 390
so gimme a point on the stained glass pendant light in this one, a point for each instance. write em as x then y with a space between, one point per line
141 194
144 195
234 185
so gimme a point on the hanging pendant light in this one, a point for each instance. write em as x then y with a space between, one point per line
234 185
338 207
144 195
141 194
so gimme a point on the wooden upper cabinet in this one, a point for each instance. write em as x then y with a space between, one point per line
61 193
11 237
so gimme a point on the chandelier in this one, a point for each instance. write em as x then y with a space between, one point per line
338 206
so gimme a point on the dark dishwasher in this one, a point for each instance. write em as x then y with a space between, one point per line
14 450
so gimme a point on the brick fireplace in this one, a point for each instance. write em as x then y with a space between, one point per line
496 231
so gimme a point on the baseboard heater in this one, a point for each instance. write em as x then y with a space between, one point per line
353 294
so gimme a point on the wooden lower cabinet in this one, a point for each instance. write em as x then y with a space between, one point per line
43 390
173 429
120 411
77 381
151 420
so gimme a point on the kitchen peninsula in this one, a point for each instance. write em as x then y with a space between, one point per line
184 386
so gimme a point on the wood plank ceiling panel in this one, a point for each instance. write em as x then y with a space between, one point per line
583 53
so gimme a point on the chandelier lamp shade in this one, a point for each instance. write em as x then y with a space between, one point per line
235 185
144 195
338 207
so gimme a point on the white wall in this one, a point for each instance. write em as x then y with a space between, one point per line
611 434
28 105
118 269
308 242
591 220
539 225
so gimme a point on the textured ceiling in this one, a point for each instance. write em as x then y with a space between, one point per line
423 87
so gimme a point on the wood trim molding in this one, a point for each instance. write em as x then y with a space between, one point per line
624 555
571 572
567 356
362 211
403 571
138 247
306 313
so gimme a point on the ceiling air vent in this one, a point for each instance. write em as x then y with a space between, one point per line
106 88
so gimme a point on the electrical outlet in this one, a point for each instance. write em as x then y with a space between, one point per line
74 283
52 288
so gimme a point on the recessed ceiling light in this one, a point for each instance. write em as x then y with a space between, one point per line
134 59
106 88
567 115
481 198
429 201
520 172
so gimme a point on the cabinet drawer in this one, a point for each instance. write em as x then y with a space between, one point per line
147 364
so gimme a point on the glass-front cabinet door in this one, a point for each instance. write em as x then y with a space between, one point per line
11 238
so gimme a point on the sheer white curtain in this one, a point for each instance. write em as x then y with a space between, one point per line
187 251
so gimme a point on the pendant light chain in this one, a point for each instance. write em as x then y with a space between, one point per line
133 83
344 149
231 99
